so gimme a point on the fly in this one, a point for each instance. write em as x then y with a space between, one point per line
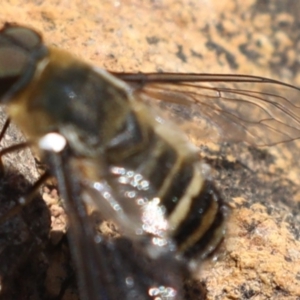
115 141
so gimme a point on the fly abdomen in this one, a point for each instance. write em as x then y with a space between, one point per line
161 157
194 209
203 227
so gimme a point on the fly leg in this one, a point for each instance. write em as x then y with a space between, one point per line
24 231
32 191
25 200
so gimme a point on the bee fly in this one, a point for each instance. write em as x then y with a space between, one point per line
102 136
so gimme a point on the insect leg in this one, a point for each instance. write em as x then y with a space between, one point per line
33 190
29 196
10 149
4 128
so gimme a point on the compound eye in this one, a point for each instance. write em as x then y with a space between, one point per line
17 45
12 62
23 37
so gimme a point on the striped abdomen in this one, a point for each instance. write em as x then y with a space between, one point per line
166 168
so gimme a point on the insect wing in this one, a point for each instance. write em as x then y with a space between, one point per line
219 108
116 268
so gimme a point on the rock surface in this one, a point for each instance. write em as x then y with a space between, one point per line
260 257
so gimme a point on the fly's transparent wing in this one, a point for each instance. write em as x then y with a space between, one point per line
111 269
220 108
